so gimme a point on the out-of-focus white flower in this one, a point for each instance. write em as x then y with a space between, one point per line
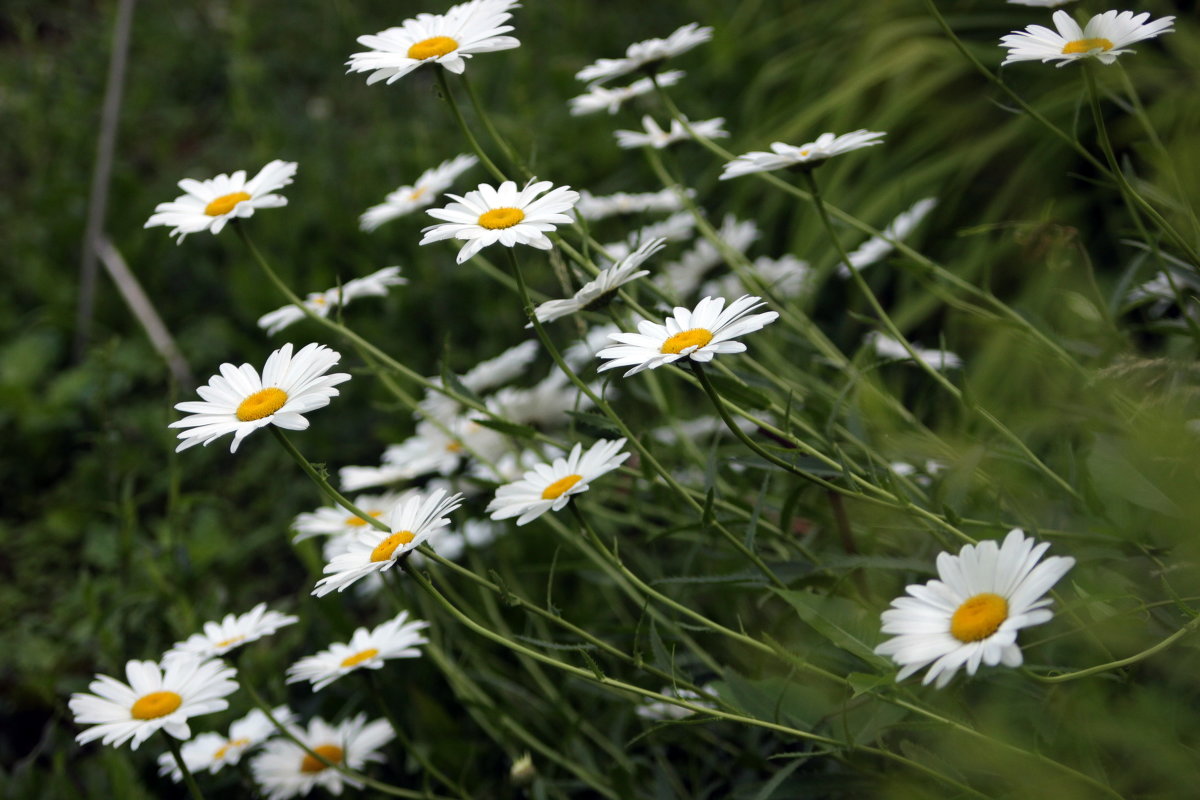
235 630
212 751
875 248
888 347
283 769
646 54
786 276
809 154
681 278
656 137
399 637
597 292
584 351
1105 37
675 228
321 303
592 207
602 98
663 711
422 193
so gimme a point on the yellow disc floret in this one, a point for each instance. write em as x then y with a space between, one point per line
359 657
224 204
1086 46
358 522
330 752
383 551
696 337
155 705
262 403
432 48
560 486
232 744
979 617
499 218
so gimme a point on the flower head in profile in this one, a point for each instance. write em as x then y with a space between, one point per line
646 55
212 751
656 137
597 292
156 698
240 401
367 649
876 248
597 207
602 98
209 204
235 630
410 523
985 596
1104 37
337 521
807 155
446 40
548 487
422 193
503 214
321 303
698 334
284 769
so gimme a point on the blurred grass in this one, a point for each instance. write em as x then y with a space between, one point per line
115 548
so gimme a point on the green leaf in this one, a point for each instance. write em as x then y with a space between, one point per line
595 425
1115 475
509 428
838 620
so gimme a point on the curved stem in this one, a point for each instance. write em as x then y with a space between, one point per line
1123 662
488 164
324 485
193 788
509 151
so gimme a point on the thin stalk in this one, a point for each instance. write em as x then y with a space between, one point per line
193 788
488 164
509 151
1123 662
324 485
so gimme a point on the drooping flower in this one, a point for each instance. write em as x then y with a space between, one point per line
1105 37
986 594
602 98
549 487
646 55
212 751
210 204
422 193
367 649
809 154
321 303
875 248
284 769
597 292
656 137
235 630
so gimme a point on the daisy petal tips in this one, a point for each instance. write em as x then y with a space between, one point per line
210 204
503 214
986 594
1104 37
549 487
240 401
699 334
807 155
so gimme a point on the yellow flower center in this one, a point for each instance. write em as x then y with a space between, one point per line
499 218
224 204
232 640
696 337
418 193
359 657
383 551
330 752
155 705
432 48
262 403
230 745
454 447
1086 46
556 489
979 617
358 522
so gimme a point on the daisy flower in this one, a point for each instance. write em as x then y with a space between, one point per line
602 98
699 334
503 214
321 303
1104 38
408 199
972 615
548 487
212 751
599 291
593 207
546 403
233 631
656 137
809 154
337 521
368 649
888 347
646 55
410 522
443 39
155 698
284 769
877 247
239 401
209 204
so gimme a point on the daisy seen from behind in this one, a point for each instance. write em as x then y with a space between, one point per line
972 614
446 40
807 155
218 638
376 284
284 769
656 137
602 98
549 487
698 334
210 204
646 55
599 291
1104 37
367 649
212 751
503 214
410 523
240 401
157 697
422 193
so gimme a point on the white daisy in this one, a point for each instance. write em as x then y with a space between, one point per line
548 487
368 649
890 348
1041 3
875 248
410 522
699 334
972 615
598 292
809 154
156 698
422 193
212 751
593 207
503 214
240 402
209 204
337 521
321 303
646 55
283 769
602 98
1103 38
786 276
231 632
656 137
545 403
443 39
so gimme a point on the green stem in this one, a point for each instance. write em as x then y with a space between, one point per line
193 788
509 151
488 164
324 485
1124 662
